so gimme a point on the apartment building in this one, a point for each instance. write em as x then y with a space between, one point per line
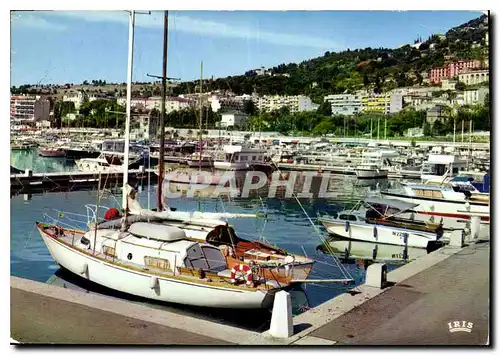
474 77
233 118
79 97
436 75
345 104
448 84
226 103
474 97
29 108
154 102
436 113
351 104
298 103
376 103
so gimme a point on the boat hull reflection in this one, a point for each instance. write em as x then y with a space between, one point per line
345 249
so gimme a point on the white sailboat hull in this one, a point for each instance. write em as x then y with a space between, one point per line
118 277
378 233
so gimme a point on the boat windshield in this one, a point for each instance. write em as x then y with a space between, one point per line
376 211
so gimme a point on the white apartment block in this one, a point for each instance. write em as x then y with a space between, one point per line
29 108
474 77
361 101
231 119
150 103
79 97
298 103
448 84
224 104
396 102
345 104
473 97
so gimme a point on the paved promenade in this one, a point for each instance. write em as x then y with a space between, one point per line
417 310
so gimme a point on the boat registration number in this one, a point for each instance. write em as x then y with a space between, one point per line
398 234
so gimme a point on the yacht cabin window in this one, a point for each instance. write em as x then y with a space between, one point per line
347 217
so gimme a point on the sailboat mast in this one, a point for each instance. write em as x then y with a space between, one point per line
161 168
129 99
201 110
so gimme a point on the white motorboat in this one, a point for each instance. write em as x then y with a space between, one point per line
239 157
438 167
99 165
442 201
370 171
197 160
374 164
379 221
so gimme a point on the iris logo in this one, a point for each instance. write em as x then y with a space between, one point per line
460 326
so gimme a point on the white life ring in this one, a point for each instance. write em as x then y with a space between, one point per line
246 270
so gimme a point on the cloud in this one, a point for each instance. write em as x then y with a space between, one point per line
24 19
193 25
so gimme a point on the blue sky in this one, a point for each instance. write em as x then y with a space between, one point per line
72 46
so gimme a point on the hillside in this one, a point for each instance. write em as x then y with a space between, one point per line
380 69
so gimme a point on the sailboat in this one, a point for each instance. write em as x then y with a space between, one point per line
138 253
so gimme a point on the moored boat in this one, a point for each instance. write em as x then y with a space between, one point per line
51 152
442 201
380 221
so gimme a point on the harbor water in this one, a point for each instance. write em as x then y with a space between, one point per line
23 159
285 225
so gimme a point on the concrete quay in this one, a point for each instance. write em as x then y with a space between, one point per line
448 285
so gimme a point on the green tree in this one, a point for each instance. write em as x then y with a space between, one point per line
324 127
325 109
249 107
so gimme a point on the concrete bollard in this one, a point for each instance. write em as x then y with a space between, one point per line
281 319
475 224
28 173
456 239
376 275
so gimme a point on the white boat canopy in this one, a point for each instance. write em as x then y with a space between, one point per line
395 204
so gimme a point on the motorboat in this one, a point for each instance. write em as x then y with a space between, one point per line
238 157
438 167
442 201
51 152
374 164
199 160
380 221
